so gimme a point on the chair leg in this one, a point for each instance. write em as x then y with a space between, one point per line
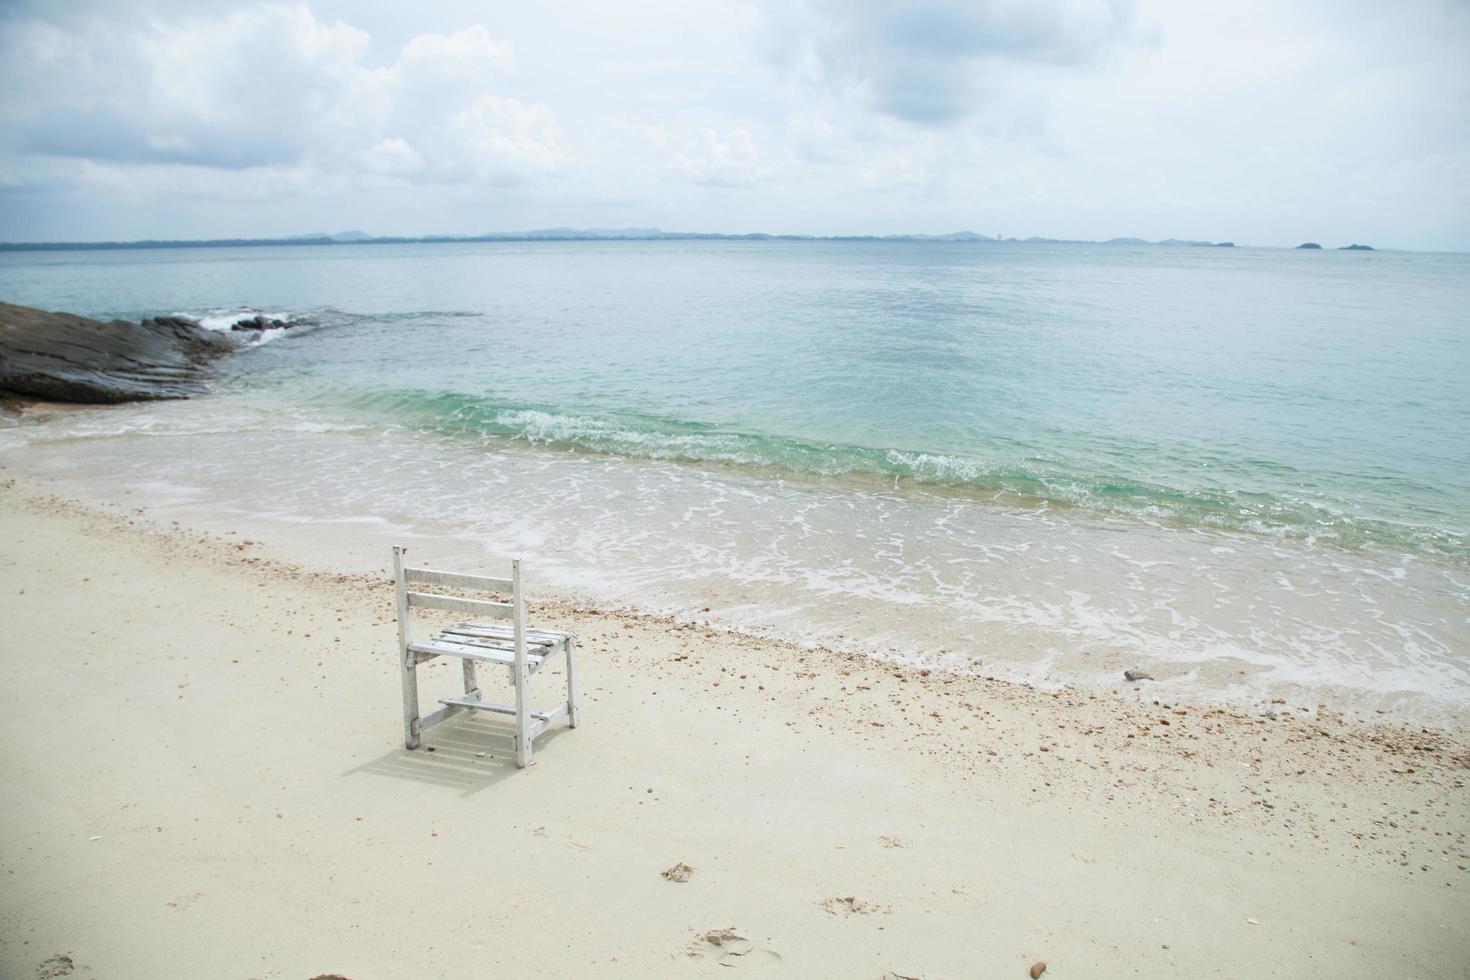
471 683
409 669
523 722
574 714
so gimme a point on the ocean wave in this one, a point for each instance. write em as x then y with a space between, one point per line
224 320
1031 483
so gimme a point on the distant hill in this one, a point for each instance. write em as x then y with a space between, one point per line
954 236
575 234
356 237
320 236
1355 247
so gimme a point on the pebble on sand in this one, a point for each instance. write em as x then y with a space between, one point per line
1037 969
1137 675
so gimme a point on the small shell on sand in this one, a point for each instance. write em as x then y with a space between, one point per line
679 872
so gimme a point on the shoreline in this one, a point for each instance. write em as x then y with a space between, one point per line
1102 832
1058 600
324 554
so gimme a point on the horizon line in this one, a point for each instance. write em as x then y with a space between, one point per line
638 234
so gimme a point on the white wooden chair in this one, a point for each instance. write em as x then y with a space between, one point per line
522 649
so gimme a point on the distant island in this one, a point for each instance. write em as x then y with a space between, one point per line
1355 247
596 235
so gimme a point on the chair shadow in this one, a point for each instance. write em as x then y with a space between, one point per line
468 752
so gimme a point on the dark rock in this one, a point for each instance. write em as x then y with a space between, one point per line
67 358
261 322
1309 245
198 344
1355 247
1136 675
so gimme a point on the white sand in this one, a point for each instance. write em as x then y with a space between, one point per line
203 776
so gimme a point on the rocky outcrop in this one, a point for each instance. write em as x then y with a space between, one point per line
67 358
262 322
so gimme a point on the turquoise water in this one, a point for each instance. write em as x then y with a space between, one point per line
1315 393
1139 407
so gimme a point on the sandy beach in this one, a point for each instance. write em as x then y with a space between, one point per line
988 482
204 777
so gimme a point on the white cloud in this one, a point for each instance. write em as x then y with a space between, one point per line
393 157
468 54
1255 121
270 87
730 160
505 140
928 61
672 153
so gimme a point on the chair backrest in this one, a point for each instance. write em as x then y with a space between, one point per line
409 598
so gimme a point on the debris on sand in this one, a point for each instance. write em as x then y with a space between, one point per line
1037 969
59 965
1137 675
851 905
679 872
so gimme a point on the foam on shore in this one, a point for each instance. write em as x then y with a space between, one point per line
1046 596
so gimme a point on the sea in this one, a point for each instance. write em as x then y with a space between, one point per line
1245 471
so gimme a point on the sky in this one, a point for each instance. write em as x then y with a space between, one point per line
1257 121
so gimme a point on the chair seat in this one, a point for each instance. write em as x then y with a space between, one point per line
506 632
491 643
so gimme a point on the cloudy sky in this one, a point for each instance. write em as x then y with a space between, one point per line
1259 121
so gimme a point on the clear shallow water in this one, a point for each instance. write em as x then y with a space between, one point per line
1249 469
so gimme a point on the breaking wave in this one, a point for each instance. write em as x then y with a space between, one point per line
1035 482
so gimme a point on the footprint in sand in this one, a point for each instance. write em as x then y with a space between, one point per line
572 842
726 947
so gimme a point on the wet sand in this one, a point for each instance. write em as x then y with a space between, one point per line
200 744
